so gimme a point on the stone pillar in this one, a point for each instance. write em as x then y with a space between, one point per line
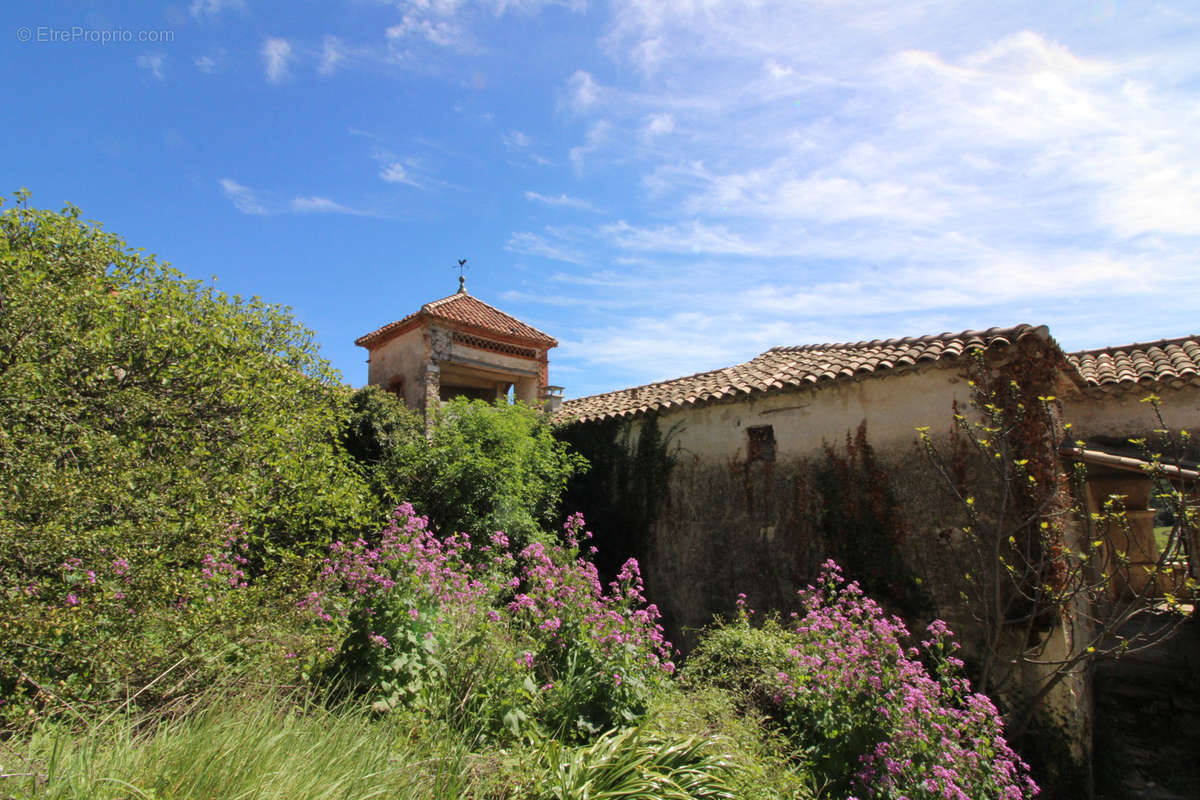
527 390
1136 540
433 388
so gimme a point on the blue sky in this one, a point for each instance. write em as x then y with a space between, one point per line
666 186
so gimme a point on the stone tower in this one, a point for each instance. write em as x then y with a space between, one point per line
460 346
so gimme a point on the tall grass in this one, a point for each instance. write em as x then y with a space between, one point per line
251 749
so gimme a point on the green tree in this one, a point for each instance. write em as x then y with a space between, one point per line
141 414
130 396
479 468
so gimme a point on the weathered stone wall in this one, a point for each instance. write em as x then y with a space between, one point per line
763 529
1120 413
895 403
403 357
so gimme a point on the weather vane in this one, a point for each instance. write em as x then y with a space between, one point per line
462 281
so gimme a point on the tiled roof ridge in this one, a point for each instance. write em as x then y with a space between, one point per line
1121 348
653 384
1173 361
432 308
465 294
782 367
1019 331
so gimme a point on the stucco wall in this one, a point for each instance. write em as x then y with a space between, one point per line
404 356
498 361
731 525
803 421
1121 413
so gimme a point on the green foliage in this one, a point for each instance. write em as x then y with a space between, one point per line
483 468
130 396
763 764
622 493
860 520
638 763
265 748
386 439
742 661
140 415
494 468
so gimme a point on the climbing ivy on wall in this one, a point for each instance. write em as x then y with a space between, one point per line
862 525
622 493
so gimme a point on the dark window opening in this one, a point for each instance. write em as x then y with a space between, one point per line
760 443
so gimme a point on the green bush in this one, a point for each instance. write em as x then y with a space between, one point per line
854 698
512 645
638 762
482 468
141 415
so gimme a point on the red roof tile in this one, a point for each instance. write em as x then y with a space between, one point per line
1167 360
787 367
467 311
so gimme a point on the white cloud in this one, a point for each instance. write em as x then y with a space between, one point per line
211 62
244 198
395 172
323 205
441 32
582 91
450 23
560 201
153 63
658 124
694 238
597 136
536 245
1084 132
516 140
214 8
333 52
276 55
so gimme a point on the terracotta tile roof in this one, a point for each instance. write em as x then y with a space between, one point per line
1167 360
468 311
783 367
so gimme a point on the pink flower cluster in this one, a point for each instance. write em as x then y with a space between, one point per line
358 573
226 567
562 596
410 591
933 737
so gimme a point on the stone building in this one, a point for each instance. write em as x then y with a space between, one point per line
806 453
460 346
741 434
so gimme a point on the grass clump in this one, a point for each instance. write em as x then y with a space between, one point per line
257 749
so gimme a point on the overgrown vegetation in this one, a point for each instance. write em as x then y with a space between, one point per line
1052 571
204 597
860 519
1052 580
847 689
623 492
478 469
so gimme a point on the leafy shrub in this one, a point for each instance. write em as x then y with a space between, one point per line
637 762
508 643
483 468
869 717
762 762
140 415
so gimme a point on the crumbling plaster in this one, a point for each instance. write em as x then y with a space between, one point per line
804 421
